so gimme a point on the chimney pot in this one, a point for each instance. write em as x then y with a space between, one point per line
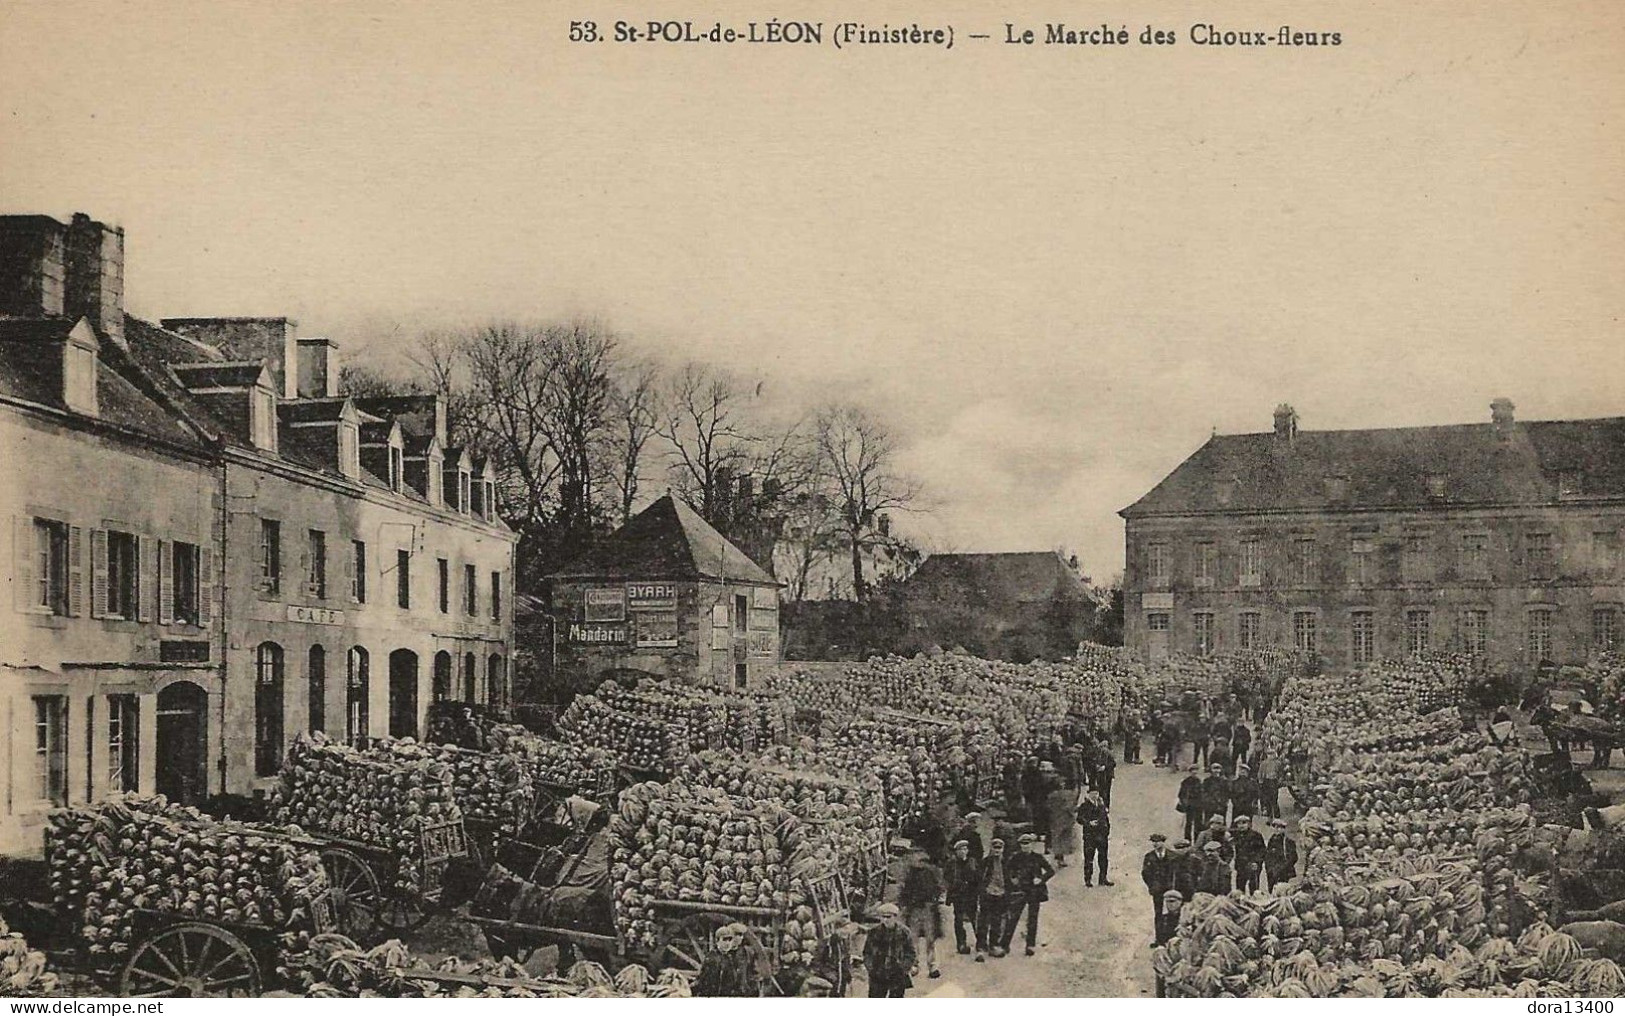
318 368
1501 412
1286 422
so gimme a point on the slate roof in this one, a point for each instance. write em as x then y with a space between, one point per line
1404 467
226 374
667 540
1018 577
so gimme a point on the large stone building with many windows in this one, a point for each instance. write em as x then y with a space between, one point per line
1499 539
211 551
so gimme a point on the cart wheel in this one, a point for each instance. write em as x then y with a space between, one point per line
356 892
684 944
191 961
401 914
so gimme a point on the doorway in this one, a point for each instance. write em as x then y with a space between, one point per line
403 693
183 743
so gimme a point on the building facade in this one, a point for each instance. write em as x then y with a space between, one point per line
668 596
1499 540
266 556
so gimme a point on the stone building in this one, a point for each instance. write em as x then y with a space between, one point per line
667 595
110 636
297 560
1500 539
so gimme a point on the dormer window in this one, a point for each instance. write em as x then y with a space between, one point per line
397 469
490 500
79 378
349 450
463 499
262 419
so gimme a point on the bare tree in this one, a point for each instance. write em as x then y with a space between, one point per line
635 413
703 423
857 454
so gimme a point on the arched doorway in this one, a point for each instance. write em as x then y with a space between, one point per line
469 679
403 693
442 676
496 688
183 742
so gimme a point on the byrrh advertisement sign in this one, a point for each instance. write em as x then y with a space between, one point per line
651 596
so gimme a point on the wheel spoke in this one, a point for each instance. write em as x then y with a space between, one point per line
154 977
228 958
239 979
156 950
685 957
202 953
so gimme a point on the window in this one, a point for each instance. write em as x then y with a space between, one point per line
1475 632
1475 560
356 692
440 689
1362 562
1252 563
1303 630
1538 638
463 499
349 450
444 596
471 590
403 579
263 419
741 675
1541 555
267 709
1413 564
185 581
496 596
1305 561
316 675
123 745
1247 630
1207 560
1204 634
1363 635
1605 629
51 748
271 557
1156 563
490 500
468 678
1156 622
51 566
123 575
397 468
741 613
316 574
1417 631
358 572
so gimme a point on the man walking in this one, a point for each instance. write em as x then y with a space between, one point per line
963 876
1248 847
1132 725
1028 881
1269 785
1215 877
1241 741
1199 742
970 833
888 955
991 907
1190 803
1280 854
1187 870
1158 872
1094 818
1167 926
1104 772
1244 793
1216 794
920 896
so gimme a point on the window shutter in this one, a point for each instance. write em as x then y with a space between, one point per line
166 582
23 588
205 585
98 573
76 571
146 580
304 568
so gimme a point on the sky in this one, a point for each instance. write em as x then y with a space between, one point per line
1054 271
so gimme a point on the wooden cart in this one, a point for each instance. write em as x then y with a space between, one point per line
177 956
364 877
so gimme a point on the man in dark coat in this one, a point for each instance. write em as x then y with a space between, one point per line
1158 870
1219 755
1241 741
1032 789
727 971
970 832
1105 771
1095 820
1269 786
1216 794
1280 854
1191 803
963 878
1215 877
920 894
1216 833
1166 927
1243 793
1132 724
995 889
1027 875
888 955
1248 846
1189 869
1199 741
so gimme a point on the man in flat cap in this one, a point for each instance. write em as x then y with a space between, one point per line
962 876
1243 793
1027 876
1215 877
990 908
1280 854
1167 928
1157 870
888 955
1192 802
1248 847
1188 870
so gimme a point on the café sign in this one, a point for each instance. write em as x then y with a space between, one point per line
315 615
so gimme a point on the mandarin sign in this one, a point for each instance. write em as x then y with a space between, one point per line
598 634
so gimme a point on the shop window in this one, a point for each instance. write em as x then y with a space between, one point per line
51 748
357 693
123 744
268 708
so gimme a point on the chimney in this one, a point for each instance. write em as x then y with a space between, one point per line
250 338
1286 422
1501 417
95 276
318 368
33 266
885 526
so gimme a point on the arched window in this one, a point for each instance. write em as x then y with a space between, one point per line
357 692
468 677
496 683
442 676
267 709
316 672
